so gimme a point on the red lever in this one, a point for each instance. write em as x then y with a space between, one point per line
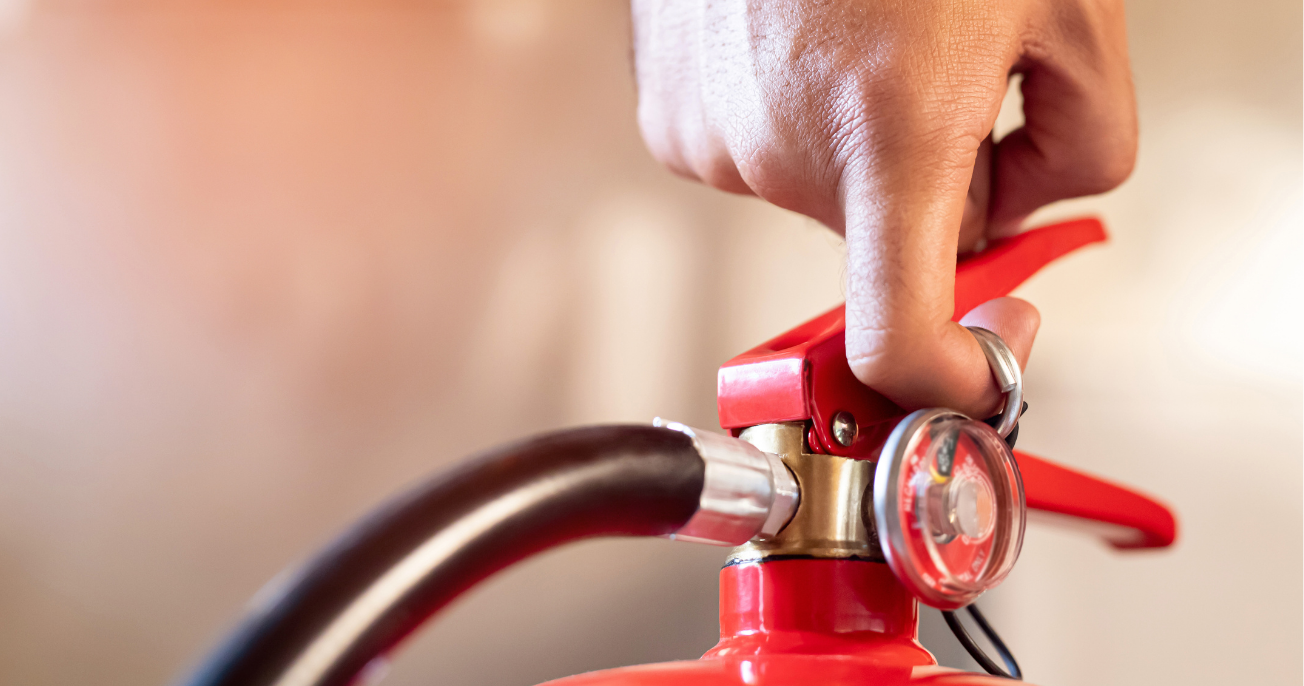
803 375
1006 263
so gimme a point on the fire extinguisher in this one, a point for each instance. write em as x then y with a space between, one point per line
846 513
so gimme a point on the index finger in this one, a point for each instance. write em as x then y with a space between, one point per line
903 201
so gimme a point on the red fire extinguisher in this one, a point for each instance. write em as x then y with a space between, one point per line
846 511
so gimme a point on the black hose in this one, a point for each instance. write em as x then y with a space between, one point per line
976 651
391 572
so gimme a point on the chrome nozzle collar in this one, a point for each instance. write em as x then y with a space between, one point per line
745 492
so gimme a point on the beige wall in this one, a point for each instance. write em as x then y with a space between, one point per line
262 264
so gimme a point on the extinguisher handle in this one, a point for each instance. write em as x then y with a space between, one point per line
1008 262
803 373
1123 517
802 376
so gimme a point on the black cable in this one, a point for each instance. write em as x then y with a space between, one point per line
962 635
976 651
995 421
391 572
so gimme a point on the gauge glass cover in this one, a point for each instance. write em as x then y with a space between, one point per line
949 507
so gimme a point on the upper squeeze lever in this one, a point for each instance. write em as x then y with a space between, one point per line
803 376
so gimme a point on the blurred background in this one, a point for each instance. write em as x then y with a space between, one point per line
263 264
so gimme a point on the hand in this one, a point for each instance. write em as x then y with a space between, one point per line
875 118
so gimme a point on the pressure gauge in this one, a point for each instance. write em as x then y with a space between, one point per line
949 507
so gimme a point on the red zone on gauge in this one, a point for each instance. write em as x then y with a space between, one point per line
970 556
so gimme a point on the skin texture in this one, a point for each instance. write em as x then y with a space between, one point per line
875 118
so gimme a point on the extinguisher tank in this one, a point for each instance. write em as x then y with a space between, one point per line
804 620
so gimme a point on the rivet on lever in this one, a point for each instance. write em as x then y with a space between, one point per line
844 429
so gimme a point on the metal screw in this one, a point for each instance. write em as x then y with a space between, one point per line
844 429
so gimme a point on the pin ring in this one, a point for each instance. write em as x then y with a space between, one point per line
1005 369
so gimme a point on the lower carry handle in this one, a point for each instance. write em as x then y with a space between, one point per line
1068 498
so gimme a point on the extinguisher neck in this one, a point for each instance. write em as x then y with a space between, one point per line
817 606
820 585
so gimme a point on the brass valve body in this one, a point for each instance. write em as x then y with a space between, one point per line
834 517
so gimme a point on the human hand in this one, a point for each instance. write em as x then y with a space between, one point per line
875 118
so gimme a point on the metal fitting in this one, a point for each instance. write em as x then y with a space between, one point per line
746 493
835 516
1005 369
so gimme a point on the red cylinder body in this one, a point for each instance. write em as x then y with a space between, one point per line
804 621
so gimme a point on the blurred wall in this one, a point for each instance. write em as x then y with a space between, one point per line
263 264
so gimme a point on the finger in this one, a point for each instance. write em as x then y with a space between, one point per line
903 210
728 94
670 108
1080 135
974 225
1015 320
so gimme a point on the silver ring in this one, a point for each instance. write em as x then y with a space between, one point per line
1005 369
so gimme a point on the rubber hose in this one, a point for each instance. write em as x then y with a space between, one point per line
401 564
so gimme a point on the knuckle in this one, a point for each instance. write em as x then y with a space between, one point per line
797 182
890 122
762 172
1095 160
876 356
655 133
1119 161
719 171
1110 164
868 364
663 142
874 346
687 150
